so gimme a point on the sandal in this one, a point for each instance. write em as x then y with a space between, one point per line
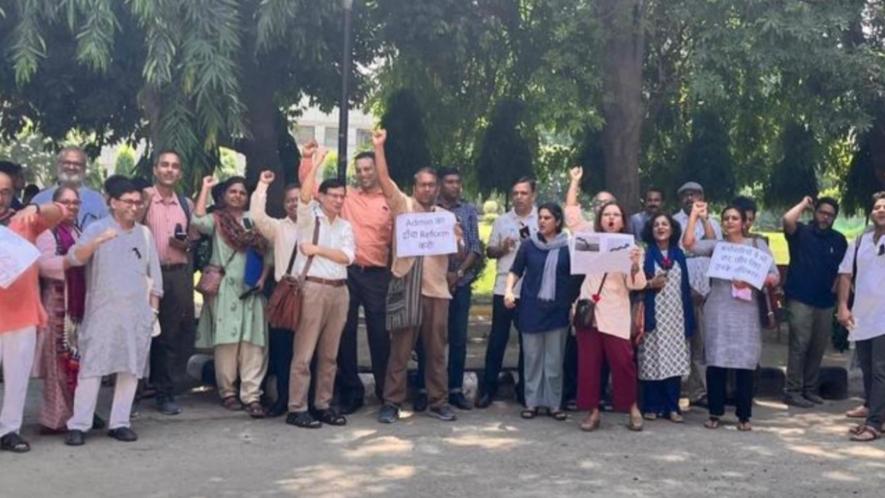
676 418
332 417
858 412
866 434
650 416
255 410
744 426
14 443
634 422
712 423
558 415
232 403
591 422
856 429
529 413
303 420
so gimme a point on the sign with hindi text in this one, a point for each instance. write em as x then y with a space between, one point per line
740 262
425 234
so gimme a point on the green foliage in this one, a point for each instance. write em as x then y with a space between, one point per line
406 146
708 159
504 153
125 162
866 174
794 176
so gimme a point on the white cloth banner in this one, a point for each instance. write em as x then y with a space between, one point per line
425 234
16 256
739 262
595 253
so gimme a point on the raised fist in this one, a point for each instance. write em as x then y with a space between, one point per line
576 173
309 148
379 136
267 177
209 182
699 209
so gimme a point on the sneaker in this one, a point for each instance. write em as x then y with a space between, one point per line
459 401
167 405
444 413
419 404
797 401
123 434
388 414
814 398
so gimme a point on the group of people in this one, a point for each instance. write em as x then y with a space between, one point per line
112 294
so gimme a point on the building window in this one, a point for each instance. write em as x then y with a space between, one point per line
363 139
304 134
331 138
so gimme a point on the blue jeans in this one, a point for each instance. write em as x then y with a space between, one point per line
459 315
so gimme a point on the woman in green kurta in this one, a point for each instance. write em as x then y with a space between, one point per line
235 328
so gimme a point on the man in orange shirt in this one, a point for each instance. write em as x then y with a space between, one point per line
20 313
367 279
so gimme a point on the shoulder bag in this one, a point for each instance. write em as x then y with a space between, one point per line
585 309
284 306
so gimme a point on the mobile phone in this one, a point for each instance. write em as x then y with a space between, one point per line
247 223
524 232
180 234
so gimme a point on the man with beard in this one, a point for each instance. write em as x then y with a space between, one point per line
815 253
167 215
71 171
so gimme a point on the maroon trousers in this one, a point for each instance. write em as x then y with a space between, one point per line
594 348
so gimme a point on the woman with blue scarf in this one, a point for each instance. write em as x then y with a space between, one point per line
543 310
664 355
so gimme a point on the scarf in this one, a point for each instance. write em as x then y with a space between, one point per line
75 276
548 279
676 256
235 235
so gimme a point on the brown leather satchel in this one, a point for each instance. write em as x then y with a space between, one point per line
284 307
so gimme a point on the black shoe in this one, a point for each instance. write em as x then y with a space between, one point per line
167 405
420 402
303 419
459 401
814 398
332 417
123 434
352 406
797 401
484 401
98 423
75 438
388 414
15 443
444 413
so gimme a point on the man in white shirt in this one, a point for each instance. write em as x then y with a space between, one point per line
325 298
508 232
864 267
283 234
71 171
688 194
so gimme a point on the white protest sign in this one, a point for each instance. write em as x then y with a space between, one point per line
425 234
595 253
16 256
740 262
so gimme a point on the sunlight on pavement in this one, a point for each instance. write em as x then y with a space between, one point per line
385 445
484 442
345 481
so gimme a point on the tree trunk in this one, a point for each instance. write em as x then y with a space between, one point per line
622 97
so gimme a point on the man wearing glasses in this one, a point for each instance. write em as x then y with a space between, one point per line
816 250
71 170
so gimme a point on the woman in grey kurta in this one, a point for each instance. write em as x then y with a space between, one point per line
235 328
733 338
124 285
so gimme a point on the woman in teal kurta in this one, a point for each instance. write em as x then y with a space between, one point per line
235 328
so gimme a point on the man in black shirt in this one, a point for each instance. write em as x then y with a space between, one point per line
815 253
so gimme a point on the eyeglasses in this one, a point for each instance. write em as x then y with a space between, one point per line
70 203
130 203
78 164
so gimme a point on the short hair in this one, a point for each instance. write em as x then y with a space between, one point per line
163 152
61 190
659 190
648 230
70 148
426 170
740 209
117 186
526 179
597 222
329 183
141 183
10 168
827 200
444 172
556 211
291 186
745 204
367 154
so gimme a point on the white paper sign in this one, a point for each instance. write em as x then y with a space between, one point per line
595 253
16 256
740 262
425 234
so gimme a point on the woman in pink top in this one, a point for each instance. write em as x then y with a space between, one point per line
63 291
608 339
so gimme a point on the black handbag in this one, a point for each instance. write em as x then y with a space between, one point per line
585 309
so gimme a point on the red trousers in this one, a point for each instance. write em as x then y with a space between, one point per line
595 348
